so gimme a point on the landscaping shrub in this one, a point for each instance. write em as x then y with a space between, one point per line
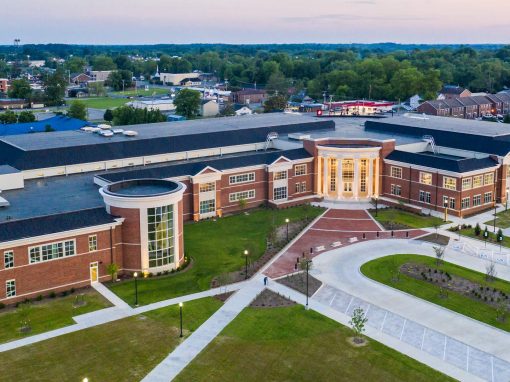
478 230
52 295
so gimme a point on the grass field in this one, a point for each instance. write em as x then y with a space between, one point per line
384 268
469 232
502 220
291 344
387 215
142 92
216 247
48 314
123 350
104 102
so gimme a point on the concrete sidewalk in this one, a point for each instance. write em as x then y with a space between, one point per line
176 361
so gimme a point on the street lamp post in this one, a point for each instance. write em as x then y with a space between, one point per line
246 264
180 314
287 221
135 275
495 211
307 272
458 229
376 205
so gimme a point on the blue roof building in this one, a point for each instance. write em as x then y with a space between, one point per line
57 123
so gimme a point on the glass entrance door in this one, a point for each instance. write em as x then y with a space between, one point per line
94 272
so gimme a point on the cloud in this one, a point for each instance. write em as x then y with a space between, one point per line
352 17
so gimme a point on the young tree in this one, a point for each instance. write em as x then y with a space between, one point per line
108 115
20 89
477 229
26 116
242 203
357 323
55 88
78 109
112 269
275 103
490 271
8 117
96 88
23 312
502 310
120 80
439 252
187 103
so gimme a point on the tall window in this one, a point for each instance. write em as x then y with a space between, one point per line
8 259
449 183
300 169
332 174
207 187
207 206
280 193
396 190
160 227
425 197
487 197
347 174
51 251
363 175
464 203
92 243
488 178
10 288
241 178
452 203
466 183
425 177
280 175
300 187
477 200
477 181
396 172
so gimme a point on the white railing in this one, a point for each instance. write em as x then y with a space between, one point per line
488 254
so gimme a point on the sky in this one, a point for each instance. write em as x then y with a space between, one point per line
254 21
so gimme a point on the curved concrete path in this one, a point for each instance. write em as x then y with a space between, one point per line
463 342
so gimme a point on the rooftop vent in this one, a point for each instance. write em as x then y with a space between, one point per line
130 133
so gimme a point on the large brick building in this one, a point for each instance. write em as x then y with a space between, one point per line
80 201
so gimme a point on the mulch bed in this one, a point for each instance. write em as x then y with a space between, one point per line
270 299
224 296
297 282
488 295
391 226
435 239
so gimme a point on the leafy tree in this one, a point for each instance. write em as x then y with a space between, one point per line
78 109
357 323
96 88
277 83
48 128
228 110
112 269
108 115
439 252
20 89
128 115
8 117
120 80
507 118
26 116
275 103
187 103
55 88
103 63
75 64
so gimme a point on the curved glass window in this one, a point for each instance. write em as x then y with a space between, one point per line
161 235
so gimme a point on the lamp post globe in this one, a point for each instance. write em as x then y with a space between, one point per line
135 275
287 222
180 315
245 264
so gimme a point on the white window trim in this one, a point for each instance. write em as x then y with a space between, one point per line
11 252
248 174
7 282
280 172
286 195
55 242
420 178
300 166
397 168
449 188
95 240
233 197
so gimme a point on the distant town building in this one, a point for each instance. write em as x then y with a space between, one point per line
248 96
175 78
4 85
99 75
80 79
154 104
192 81
13 103
209 108
468 107
453 91
242 109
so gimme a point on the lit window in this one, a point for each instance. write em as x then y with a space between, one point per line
236 196
396 172
279 193
10 288
51 251
8 259
488 178
280 175
207 206
241 178
487 197
92 243
425 178
300 169
477 181
465 203
160 229
477 200
466 183
207 187
396 190
449 183
300 187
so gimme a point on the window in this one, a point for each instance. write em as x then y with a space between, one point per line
300 187
396 189
241 178
92 243
425 197
477 181
466 183
207 187
10 288
449 183
51 251
487 198
488 178
300 169
363 175
280 175
508 171
207 206
465 203
452 203
477 200
160 229
333 167
425 178
279 193
236 196
8 259
445 201
396 172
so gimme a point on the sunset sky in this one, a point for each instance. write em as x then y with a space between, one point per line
257 21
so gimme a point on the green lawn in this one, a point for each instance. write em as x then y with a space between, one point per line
469 232
384 268
387 215
502 220
291 344
104 102
48 314
216 247
123 350
142 92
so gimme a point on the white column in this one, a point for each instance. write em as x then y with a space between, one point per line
355 185
370 183
377 172
325 180
319 175
340 185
